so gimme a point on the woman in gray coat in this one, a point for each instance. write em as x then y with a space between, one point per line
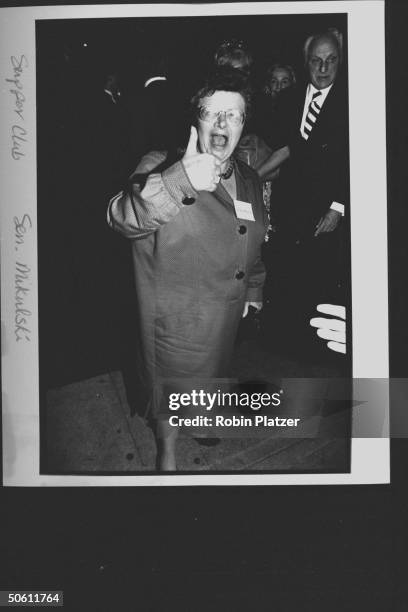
196 226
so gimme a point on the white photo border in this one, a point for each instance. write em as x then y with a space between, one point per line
20 369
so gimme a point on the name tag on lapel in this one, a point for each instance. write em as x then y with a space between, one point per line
243 210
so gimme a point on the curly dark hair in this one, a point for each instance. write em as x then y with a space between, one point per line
233 51
223 79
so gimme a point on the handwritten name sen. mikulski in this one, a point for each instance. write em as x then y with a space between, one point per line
19 132
22 283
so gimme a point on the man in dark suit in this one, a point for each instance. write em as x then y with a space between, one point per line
312 193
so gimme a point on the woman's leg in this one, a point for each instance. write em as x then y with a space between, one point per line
166 436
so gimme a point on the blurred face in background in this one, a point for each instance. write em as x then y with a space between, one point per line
323 62
240 63
235 55
280 79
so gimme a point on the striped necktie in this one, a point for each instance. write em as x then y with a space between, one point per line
311 117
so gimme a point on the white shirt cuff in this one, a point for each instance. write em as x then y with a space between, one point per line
338 207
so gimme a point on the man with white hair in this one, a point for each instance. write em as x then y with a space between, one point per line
313 191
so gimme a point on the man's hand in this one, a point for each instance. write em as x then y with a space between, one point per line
328 223
202 169
257 305
333 330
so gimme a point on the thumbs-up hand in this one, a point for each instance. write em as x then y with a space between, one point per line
202 169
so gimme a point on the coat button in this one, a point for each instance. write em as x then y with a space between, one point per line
239 275
187 200
242 229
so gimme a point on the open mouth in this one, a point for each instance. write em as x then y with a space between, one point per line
218 141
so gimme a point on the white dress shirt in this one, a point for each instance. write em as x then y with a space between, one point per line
310 91
110 94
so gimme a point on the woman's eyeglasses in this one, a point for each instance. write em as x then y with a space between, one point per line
233 116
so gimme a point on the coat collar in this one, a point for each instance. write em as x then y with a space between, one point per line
242 193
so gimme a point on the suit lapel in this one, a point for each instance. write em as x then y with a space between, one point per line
328 110
324 111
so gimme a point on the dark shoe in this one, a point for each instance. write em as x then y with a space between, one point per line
207 441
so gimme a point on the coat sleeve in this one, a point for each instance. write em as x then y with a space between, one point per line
151 200
256 281
340 172
257 273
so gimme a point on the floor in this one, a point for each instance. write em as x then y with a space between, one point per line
90 428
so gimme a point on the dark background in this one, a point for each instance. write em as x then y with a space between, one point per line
129 43
90 267
262 548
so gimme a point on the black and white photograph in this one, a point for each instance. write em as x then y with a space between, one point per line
203 306
192 312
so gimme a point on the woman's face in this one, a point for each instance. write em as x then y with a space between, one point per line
280 79
220 123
